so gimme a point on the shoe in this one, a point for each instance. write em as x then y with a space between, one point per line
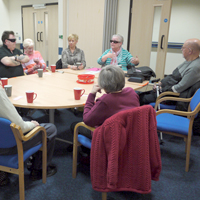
51 170
70 148
37 174
4 180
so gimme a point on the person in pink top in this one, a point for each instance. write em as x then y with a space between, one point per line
36 60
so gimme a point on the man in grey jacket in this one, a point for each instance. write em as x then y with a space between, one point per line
183 77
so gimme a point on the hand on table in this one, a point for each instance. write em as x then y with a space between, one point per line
35 67
35 122
74 67
80 67
135 60
96 89
36 60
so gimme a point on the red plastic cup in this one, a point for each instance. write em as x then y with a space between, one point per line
78 92
53 68
30 95
4 81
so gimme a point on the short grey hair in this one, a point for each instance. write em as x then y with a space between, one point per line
121 39
111 78
28 43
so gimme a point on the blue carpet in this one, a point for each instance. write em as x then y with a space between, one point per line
174 183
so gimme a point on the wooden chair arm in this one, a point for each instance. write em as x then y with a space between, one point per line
158 101
167 94
76 131
181 113
17 129
84 125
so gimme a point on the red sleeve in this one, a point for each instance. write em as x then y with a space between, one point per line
94 113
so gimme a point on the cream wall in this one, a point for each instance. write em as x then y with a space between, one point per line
184 23
5 18
123 19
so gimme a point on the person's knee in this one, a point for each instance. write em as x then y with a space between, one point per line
50 129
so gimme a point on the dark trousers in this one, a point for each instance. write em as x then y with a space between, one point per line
37 139
147 97
81 130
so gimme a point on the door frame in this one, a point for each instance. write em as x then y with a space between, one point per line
164 27
45 4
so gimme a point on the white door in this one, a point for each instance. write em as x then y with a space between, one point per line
41 25
150 23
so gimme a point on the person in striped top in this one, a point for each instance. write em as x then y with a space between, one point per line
36 61
116 55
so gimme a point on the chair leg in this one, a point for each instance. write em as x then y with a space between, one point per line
104 195
161 138
188 144
21 185
74 167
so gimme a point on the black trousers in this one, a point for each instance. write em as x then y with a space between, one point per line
37 139
81 130
147 97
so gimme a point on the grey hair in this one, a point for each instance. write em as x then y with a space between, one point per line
28 43
121 39
111 78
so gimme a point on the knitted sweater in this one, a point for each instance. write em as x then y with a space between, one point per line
125 153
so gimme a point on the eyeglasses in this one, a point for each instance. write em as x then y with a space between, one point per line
12 40
114 41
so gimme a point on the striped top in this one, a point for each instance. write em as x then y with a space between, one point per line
28 67
123 58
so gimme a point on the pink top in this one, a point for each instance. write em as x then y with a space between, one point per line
28 67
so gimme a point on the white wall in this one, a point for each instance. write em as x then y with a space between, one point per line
184 22
5 18
123 20
15 14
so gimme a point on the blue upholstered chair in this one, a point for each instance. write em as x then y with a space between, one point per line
78 141
11 135
86 142
179 123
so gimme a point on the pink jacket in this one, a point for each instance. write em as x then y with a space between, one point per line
125 153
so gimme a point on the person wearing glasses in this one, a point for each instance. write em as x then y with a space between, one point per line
73 57
11 59
183 77
116 55
36 61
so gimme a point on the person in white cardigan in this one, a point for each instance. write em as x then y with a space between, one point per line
8 111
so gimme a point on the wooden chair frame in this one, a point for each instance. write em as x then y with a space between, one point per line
75 151
161 96
189 114
20 137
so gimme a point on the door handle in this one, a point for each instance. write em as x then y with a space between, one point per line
41 37
161 45
37 37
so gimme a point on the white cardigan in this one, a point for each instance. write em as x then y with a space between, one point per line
8 111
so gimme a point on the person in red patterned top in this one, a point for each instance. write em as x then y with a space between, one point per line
36 61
